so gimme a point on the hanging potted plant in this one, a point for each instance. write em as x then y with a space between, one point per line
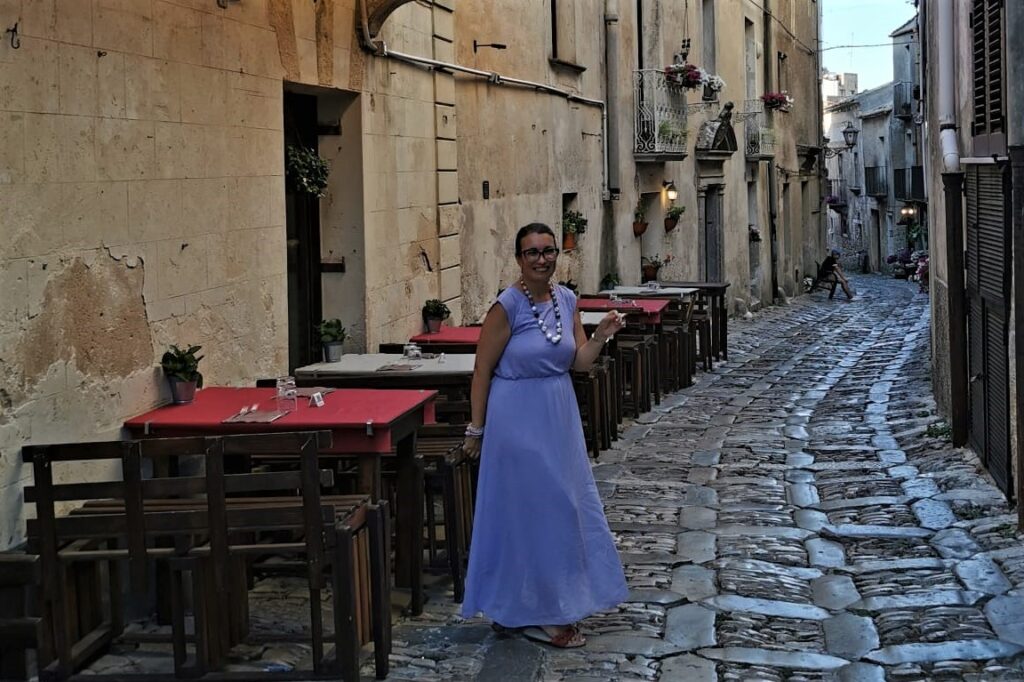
332 336
689 76
649 267
181 367
780 101
434 313
306 170
672 217
639 219
573 223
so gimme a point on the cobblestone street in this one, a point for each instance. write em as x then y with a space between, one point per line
796 515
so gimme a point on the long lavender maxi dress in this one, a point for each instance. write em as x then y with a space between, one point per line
542 553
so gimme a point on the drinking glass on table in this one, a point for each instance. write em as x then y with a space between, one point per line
287 394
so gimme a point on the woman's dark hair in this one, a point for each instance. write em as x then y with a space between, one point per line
532 228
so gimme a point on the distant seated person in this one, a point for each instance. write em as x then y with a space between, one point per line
831 270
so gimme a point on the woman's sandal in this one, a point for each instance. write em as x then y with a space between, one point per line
502 630
563 640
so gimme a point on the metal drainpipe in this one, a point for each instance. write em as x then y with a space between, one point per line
1015 140
953 188
773 231
611 33
498 79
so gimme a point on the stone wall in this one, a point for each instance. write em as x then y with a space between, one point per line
142 199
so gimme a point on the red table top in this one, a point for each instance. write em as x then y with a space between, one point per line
653 308
346 412
601 305
450 335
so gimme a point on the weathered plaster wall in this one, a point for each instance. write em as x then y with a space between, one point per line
142 198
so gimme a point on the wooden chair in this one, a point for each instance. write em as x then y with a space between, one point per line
826 281
205 525
22 630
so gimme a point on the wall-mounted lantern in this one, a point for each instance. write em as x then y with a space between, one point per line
670 189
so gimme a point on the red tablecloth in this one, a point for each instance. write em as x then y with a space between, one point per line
603 305
653 308
359 418
450 335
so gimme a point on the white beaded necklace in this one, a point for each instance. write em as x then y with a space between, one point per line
552 338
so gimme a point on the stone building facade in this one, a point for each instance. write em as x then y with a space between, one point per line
972 101
143 199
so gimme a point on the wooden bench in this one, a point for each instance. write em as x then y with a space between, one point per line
211 526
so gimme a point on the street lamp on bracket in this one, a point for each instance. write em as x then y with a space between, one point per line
849 137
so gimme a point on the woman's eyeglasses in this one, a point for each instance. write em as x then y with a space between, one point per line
533 255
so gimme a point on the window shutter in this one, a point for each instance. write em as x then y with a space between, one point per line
987 67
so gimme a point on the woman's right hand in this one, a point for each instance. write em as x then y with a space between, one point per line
471 446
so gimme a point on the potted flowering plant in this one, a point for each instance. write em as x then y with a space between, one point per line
650 265
832 199
690 76
672 217
573 223
639 219
777 100
713 84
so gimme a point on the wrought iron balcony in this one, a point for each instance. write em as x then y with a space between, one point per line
836 198
903 99
875 184
908 183
759 136
660 122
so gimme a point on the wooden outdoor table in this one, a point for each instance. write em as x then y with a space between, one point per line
603 305
715 292
451 378
674 292
365 423
449 335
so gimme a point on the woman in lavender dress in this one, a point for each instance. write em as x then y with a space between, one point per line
542 556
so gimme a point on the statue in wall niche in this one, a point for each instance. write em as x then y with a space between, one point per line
718 135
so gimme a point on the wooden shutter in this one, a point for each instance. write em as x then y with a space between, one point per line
988 91
997 385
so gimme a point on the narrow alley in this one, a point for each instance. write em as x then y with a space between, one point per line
797 515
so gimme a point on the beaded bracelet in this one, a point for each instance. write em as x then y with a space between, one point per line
474 431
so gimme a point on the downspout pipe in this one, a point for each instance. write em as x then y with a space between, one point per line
953 192
611 76
498 79
1015 142
948 141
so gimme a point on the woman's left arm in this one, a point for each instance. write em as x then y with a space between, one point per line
587 350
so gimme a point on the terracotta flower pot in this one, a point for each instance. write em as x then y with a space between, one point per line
670 224
648 273
568 240
639 228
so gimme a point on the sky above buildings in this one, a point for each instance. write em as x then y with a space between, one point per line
862 22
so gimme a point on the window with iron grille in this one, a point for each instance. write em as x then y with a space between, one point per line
988 75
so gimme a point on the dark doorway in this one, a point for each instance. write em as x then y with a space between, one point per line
875 241
712 264
988 298
303 239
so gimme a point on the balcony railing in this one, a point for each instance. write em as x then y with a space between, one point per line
760 137
903 99
874 181
660 123
837 194
908 183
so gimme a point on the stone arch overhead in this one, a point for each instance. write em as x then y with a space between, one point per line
372 15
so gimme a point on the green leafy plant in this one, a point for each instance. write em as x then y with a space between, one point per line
331 331
640 213
940 430
610 280
574 222
183 365
656 261
306 170
435 309
571 286
675 211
